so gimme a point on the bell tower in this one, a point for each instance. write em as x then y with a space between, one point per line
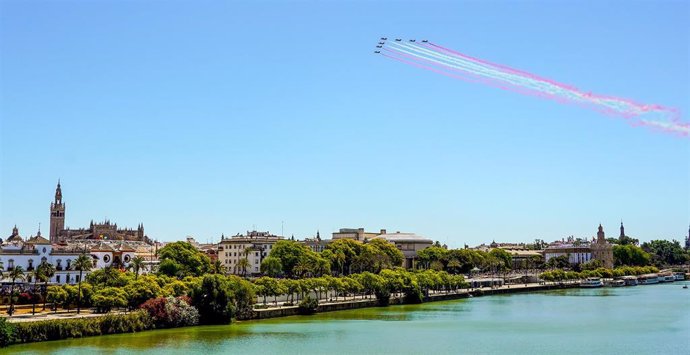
57 215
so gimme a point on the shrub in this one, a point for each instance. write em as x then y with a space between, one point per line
7 331
171 312
26 332
109 297
308 305
383 296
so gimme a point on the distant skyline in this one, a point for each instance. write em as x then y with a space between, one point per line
204 118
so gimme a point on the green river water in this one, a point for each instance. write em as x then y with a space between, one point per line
652 319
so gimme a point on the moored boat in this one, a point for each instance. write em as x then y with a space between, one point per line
648 279
679 276
666 277
617 283
630 280
591 282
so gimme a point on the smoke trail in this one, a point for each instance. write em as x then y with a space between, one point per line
444 61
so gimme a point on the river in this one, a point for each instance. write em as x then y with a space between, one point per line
652 319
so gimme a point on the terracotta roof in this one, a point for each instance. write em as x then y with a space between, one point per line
38 240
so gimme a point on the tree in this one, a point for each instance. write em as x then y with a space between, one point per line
342 253
395 256
136 264
243 265
217 267
269 286
504 257
432 254
83 263
630 255
272 266
47 272
140 291
289 252
17 273
108 298
37 275
213 297
664 252
56 295
185 259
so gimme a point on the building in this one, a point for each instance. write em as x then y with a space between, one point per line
96 231
603 250
15 251
408 243
356 234
581 251
317 244
576 251
252 247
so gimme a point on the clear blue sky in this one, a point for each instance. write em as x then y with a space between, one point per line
201 118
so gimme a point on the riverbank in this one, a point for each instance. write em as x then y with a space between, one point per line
353 303
531 323
74 321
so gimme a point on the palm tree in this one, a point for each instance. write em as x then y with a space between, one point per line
37 274
15 274
243 264
83 263
47 272
217 267
137 263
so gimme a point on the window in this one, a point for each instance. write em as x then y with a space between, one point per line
57 278
10 264
77 278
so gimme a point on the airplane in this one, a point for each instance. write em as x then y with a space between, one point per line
384 38
412 40
377 51
425 41
382 42
398 39
379 46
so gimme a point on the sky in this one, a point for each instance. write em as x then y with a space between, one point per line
204 118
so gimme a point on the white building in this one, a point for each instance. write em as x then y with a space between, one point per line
408 243
34 251
577 254
254 247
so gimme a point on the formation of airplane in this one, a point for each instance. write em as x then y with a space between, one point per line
384 39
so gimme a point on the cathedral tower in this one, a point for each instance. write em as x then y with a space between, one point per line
57 215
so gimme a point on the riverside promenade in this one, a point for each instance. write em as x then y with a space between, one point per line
330 305
327 304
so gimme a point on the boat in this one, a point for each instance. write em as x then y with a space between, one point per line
591 282
618 283
685 286
679 276
648 279
630 280
666 277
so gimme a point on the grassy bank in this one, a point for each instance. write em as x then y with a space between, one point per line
55 329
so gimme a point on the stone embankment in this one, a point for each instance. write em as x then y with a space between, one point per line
329 306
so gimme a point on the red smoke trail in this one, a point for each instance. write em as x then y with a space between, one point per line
447 62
